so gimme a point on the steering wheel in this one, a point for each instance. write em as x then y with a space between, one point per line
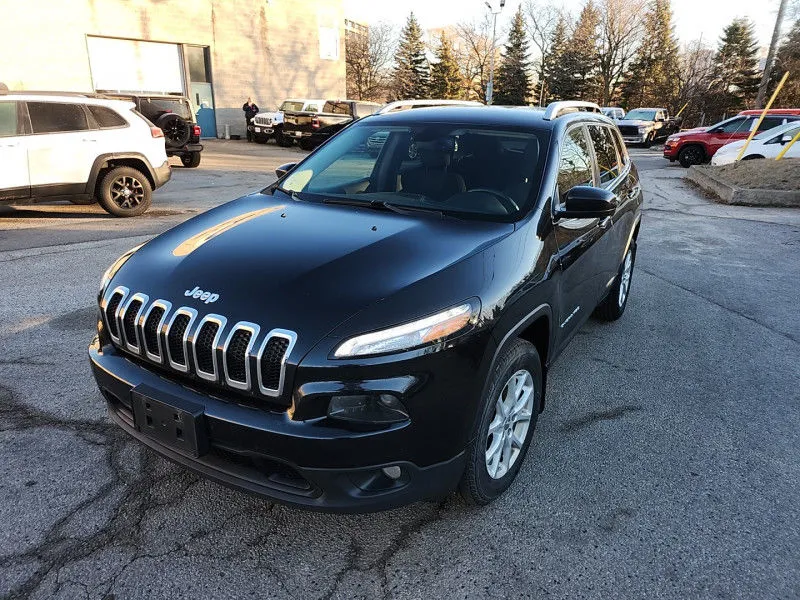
504 199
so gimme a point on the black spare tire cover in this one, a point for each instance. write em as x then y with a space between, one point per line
177 130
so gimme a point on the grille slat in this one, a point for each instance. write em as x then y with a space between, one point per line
111 313
151 330
236 355
175 338
271 362
204 347
129 323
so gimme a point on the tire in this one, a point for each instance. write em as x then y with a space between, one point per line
691 155
650 140
112 197
177 131
307 145
485 477
613 305
82 201
191 161
283 141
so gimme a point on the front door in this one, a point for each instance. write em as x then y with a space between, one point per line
580 268
14 179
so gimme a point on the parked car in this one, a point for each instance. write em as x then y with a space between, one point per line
697 146
173 114
614 112
311 128
454 269
80 148
767 144
270 124
646 126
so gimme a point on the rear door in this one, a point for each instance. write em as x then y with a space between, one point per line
61 148
580 266
14 178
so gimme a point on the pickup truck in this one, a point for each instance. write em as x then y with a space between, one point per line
267 124
311 128
646 126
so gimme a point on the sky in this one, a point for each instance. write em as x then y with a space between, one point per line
693 18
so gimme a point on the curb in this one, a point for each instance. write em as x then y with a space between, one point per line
731 194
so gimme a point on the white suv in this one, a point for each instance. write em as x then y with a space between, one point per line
79 147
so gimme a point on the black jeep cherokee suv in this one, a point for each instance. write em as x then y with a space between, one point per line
173 114
373 330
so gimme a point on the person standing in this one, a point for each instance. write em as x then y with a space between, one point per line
250 109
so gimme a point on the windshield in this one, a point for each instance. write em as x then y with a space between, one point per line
787 129
460 170
641 114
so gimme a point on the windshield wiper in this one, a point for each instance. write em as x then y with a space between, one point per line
402 209
291 193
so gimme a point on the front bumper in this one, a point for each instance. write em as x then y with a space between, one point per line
268 453
162 174
635 139
671 151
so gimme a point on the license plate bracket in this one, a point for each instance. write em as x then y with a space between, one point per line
170 420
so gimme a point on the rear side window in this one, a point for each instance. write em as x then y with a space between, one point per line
606 153
106 118
576 162
770 122
365 109
8 119
337 108
57 117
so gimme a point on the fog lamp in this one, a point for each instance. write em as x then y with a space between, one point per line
383 409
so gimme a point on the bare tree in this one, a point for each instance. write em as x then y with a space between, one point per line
368 57
620 29
473 50
695 80
542 17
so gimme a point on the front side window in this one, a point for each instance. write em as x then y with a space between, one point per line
737 125
336 108
106 118
365 109
291 106
8 119
575 167
57 117
463 170
606 153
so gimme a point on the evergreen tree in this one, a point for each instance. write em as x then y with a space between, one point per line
580 58
557 79
736 73
788 59
513 79
445 76
654 73
412 73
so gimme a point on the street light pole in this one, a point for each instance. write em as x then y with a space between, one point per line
490 85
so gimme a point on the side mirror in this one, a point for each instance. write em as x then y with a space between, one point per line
786 138
284 169
587 202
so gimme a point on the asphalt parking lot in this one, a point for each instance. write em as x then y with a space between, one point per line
666 464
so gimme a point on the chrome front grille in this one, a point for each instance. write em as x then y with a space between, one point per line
203 346
263 121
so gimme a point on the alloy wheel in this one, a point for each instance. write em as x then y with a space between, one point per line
127 192
509 426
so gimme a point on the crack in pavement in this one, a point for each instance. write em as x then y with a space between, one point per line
578 423
697 294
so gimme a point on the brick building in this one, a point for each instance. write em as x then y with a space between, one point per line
218 52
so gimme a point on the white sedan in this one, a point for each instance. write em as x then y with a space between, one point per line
767 144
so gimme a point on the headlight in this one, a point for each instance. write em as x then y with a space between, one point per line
115 266
411 335
642 128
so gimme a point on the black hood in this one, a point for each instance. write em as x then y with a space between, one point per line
299 265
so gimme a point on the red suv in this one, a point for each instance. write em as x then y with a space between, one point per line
697 146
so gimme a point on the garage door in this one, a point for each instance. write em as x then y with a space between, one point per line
135 66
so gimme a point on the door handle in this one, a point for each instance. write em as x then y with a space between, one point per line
606 223
9 145
88 140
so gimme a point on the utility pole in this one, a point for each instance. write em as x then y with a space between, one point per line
490 85
776 36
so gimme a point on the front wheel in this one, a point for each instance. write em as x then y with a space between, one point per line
505 425
691 155
125 192
282 140
612 307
